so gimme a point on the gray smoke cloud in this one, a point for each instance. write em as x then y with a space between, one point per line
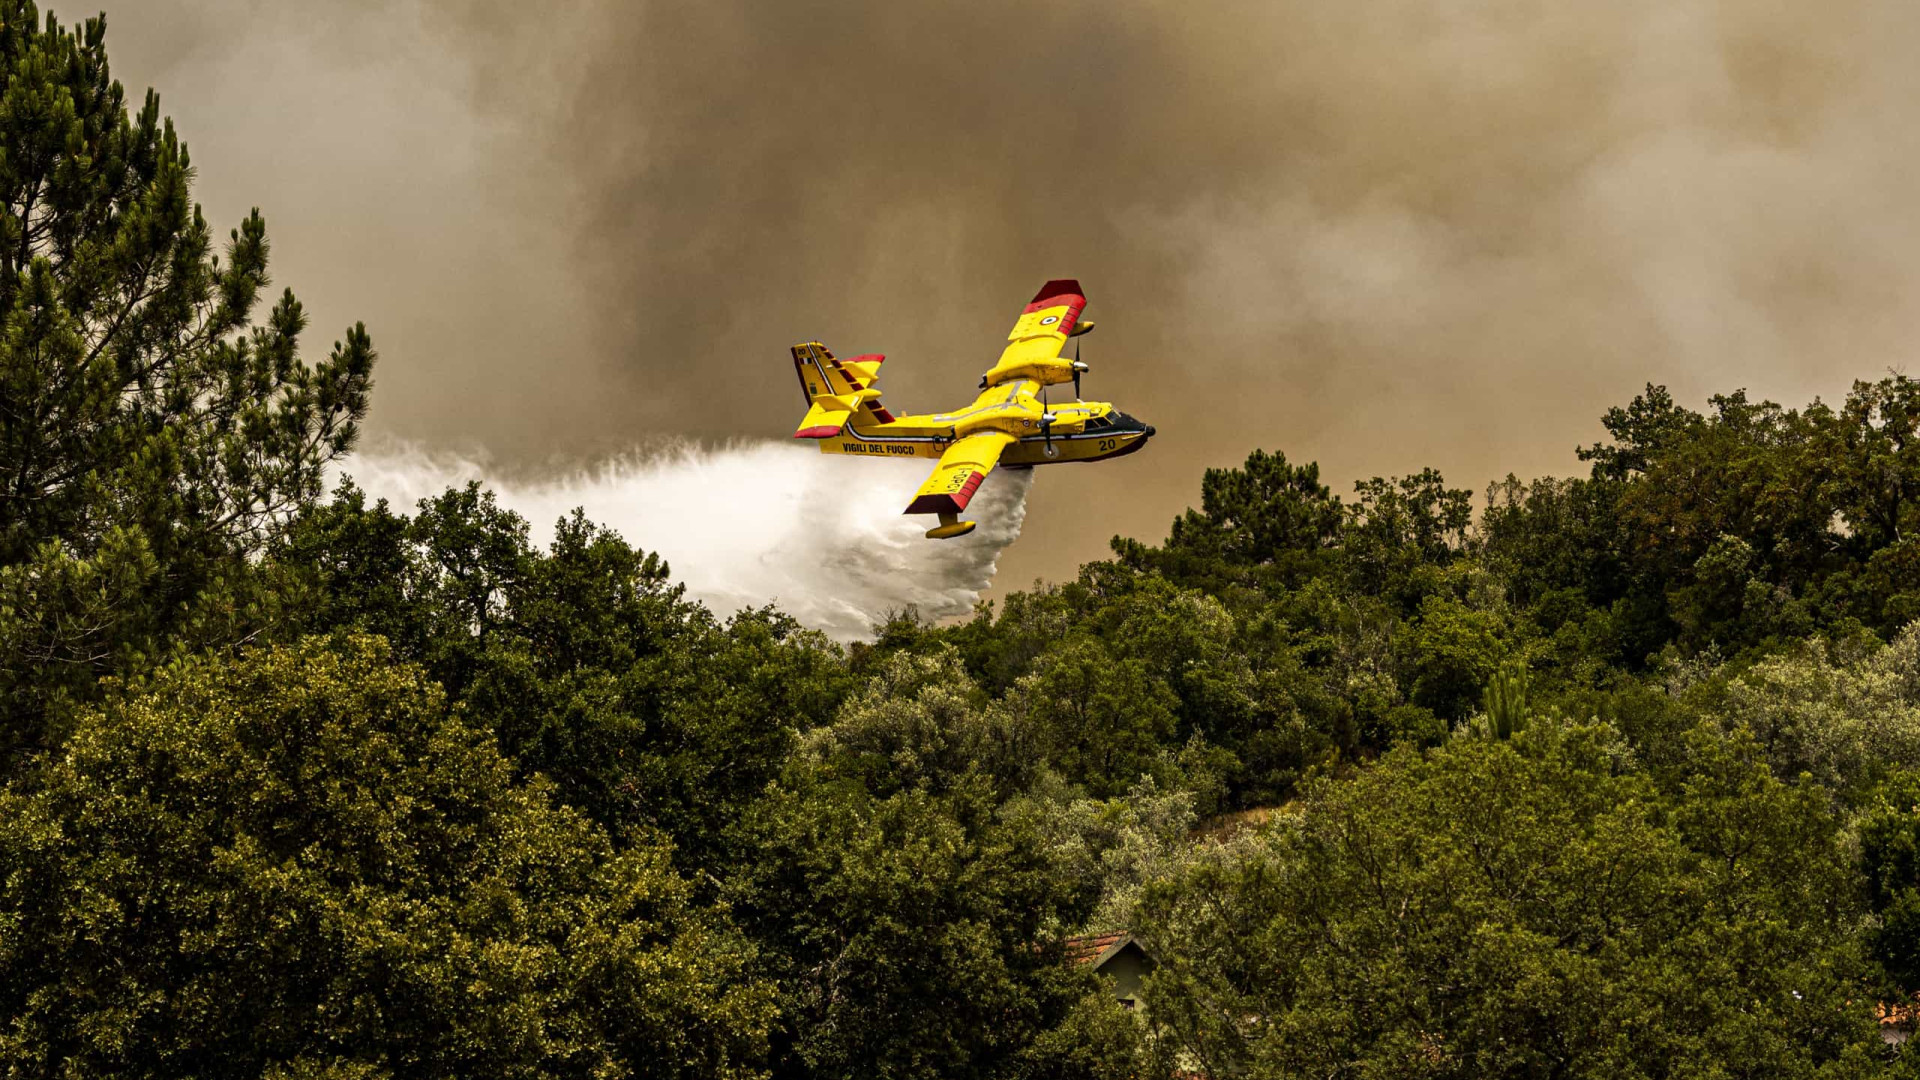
1381 234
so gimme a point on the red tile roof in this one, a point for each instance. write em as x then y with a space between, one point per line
1087 948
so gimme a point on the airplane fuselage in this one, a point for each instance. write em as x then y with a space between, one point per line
1081 430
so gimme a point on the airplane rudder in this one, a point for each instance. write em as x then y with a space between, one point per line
800 366
814 364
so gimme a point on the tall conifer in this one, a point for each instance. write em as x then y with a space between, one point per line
152 434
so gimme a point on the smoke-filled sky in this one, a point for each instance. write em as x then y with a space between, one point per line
1382 234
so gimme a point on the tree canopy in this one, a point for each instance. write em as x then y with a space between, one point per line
305 860
151 432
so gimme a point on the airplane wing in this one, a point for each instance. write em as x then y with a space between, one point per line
1042 329
965 464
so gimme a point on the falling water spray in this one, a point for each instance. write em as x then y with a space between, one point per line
750 523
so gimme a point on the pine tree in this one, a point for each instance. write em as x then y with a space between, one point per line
152 435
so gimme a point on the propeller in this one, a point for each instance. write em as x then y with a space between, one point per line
1078 367
1046 430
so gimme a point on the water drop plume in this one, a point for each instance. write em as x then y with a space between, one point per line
750 523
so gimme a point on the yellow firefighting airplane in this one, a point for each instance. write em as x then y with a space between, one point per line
1009 424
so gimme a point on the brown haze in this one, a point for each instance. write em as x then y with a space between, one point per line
1378 233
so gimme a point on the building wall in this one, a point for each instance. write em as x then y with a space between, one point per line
1126 968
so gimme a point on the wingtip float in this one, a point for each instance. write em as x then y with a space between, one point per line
1010 424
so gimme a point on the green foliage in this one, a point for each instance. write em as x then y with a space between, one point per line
1842 715
1454 650
152 435
1099 1040
1524 908
915 934
1266 513
1398 528
306 862
1890 859
1123 844
1749 525
1506 700
587 664
920 723
1107 720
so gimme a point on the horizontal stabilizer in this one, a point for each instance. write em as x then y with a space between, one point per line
824 420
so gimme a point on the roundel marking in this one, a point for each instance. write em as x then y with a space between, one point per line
1049 320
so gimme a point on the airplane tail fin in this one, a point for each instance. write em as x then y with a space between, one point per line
837 390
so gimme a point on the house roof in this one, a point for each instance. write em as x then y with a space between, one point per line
1097 949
